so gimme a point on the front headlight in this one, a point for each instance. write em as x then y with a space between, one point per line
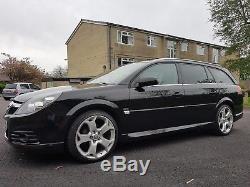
37 103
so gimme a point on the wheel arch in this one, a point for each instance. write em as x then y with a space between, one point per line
226 100
96 104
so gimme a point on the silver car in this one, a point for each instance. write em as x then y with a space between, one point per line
15 89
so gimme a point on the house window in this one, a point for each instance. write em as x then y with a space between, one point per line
171 49
215 56
124 37
200 50
184 46
222 52
151 41
124 61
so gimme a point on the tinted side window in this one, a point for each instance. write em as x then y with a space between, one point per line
220 76
24 86
35 87
192 74
210 77
164 73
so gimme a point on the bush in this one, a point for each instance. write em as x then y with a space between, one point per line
2 85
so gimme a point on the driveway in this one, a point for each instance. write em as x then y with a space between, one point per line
192 158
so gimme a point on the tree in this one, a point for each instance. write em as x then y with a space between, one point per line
59 72
21 70
231 20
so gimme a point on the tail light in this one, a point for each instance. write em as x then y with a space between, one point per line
239 91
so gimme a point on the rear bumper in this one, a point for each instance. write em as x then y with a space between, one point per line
7 95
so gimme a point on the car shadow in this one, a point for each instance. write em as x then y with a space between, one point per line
45 157
160 140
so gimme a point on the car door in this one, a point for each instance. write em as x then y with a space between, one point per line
201 93
156 107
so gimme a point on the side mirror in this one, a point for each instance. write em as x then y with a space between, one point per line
150 81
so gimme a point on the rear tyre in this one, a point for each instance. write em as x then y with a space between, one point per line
224 120
92 137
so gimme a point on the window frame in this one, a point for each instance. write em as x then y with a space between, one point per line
207 72
172 48
125 33
209 69
24 88
6 86
152 41
192 64
187 45
215 57
130 60
135 78
34 87
222 53
198 47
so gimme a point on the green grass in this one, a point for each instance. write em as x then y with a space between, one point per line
247 104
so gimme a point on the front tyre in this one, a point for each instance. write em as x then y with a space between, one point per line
224 124
92 136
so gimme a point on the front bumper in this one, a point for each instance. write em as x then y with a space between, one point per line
45 128
25 145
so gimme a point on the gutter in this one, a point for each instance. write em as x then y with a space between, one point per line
109 46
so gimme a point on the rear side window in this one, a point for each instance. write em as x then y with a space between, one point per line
10 86
221 76
164 73
193 74
210 77
24 86
35 87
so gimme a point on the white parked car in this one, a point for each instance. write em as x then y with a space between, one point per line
15 89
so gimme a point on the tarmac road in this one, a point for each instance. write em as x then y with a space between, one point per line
187 158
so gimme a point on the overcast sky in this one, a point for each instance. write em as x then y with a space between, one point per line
39 28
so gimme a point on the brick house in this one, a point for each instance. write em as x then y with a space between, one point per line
95 47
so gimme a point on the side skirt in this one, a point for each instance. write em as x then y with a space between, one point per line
159 131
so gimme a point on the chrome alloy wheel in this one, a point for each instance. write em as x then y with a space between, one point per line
225 119
95 137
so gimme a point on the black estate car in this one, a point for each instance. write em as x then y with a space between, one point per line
135 100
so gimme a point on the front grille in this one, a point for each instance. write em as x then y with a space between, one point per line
23 137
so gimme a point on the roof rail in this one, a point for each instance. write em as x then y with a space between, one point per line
190 60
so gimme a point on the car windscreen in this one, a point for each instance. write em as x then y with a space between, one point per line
118 75
10 86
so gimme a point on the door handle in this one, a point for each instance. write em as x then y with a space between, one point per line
213 91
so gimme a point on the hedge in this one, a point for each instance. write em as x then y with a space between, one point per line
2 85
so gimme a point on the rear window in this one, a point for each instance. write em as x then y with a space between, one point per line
193 74
221 76
10 86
